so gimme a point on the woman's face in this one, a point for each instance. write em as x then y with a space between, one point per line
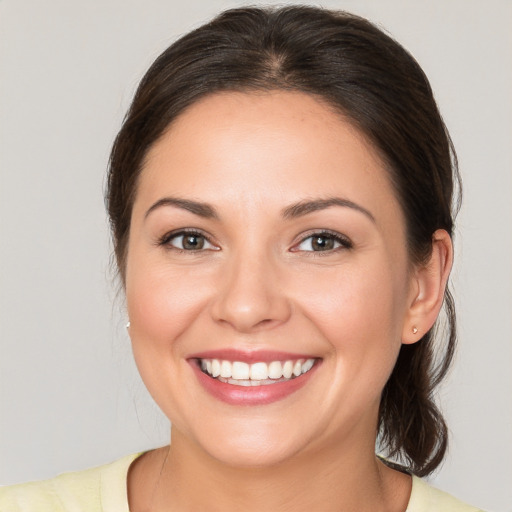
265 237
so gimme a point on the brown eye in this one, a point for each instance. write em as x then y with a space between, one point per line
319 242
193 242
188 241
322 243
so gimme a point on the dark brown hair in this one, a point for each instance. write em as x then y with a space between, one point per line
363 73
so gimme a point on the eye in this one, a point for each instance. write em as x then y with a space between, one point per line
324 241
188 241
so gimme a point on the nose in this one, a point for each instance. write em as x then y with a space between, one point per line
250 296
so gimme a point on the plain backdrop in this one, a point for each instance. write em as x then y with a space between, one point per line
70 396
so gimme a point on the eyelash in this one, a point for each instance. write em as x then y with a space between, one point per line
343 241
165 241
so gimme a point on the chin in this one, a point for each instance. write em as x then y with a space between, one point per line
250 446
251 454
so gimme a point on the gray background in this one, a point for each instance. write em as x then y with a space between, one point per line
69 394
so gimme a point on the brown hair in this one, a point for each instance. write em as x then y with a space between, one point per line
377 84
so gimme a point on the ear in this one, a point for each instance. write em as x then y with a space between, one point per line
427 289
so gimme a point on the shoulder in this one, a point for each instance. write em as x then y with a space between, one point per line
425 498
92 490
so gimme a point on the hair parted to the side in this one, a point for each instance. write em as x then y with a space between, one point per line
353 66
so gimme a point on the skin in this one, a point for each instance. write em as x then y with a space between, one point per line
258 285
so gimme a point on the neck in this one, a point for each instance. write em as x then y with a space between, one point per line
184 478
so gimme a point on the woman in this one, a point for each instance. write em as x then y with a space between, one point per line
280 196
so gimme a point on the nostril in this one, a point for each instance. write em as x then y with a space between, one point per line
266 323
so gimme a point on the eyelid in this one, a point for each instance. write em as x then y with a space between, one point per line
166 239
343 240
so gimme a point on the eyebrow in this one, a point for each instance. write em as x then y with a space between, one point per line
291 212
309 206
198 208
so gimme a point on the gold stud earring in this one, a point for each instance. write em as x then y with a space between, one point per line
414 330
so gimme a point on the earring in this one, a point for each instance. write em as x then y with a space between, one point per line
128 324
414 330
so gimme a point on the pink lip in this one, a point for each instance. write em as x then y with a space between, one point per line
255 395
247 356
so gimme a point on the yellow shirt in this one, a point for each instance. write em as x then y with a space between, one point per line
103 489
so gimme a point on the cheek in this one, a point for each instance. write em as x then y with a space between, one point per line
359 311
162 303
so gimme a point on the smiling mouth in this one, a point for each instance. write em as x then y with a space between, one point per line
240 373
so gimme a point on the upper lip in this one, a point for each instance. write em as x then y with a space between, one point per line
250 356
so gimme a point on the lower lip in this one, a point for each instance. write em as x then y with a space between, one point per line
251 395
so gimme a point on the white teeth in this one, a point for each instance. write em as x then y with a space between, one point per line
256 374
225 369
308 365
240 371
259 371
275 370
215 368
245 383
251 382
288 369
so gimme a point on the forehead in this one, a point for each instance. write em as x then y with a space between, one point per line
264 147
